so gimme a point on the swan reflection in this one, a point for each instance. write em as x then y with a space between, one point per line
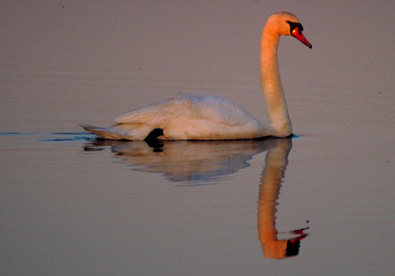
188 161
203 162
269 190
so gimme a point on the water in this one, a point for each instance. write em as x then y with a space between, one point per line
71 205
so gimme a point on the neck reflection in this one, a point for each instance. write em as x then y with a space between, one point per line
269 190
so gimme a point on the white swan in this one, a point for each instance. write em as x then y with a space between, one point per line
192 117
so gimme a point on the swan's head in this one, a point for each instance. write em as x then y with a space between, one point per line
284 23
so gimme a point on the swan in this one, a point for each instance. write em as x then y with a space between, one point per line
195 117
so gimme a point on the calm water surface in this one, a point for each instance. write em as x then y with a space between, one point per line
321 203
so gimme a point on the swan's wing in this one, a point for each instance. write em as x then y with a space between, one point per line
159 113
193 117
193 107
138 116
223 111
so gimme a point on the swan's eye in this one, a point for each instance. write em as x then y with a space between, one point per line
296 28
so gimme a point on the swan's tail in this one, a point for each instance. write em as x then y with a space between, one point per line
104 133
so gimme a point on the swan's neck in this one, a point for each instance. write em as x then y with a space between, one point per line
271 85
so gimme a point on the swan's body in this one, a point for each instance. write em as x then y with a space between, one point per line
192 117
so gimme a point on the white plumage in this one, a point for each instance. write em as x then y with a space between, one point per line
194 117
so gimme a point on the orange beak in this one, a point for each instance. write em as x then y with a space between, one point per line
298 34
